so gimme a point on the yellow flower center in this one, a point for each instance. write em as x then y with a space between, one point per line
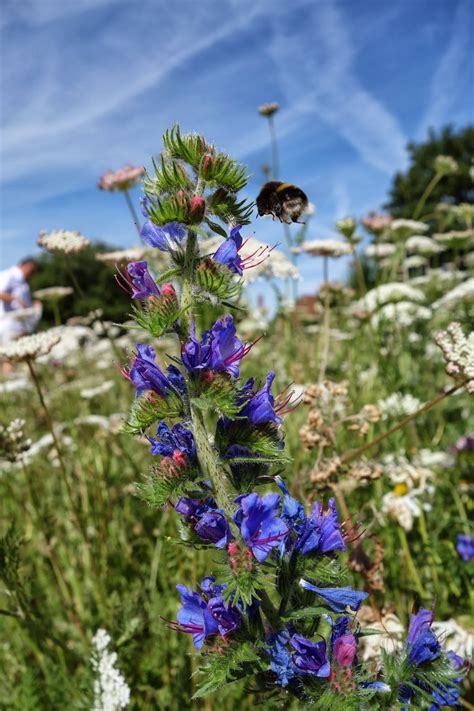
400 489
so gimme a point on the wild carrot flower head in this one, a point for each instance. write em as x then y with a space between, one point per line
123 179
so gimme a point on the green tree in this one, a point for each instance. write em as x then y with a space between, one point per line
95 279
407 188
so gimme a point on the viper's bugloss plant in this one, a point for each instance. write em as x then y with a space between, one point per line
277 608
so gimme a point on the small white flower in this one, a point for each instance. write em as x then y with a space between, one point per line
403 314
456 239
122 255
389 640
111 691
398 405
65 241
458 352
446 165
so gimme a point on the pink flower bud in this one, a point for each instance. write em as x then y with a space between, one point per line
168 289
345 649
179 458
198 208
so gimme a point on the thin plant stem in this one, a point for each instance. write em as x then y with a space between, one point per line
410 564
349 456
429 189
133 212
274 146
70 271
326 323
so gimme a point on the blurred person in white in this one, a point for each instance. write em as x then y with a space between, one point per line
15 296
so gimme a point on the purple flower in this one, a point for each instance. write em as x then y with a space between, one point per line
280 663
194 617
465 546
464 444
376 686
448 694
422 644
165 238
219 349
337 598
261 529
226 349
259 407
228 618
208 522
210 588
176 379
143 284
345 649
320 532
310 657
228 252
178 438
292 511
145 374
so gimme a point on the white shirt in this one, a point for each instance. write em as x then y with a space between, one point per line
12 281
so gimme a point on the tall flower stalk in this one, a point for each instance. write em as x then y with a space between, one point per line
277 606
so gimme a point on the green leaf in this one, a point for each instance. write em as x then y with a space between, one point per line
216 228
304 613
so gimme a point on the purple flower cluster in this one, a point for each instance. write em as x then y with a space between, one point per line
146 374
142 283
167 238
171 440
261 529
219 350
206 519
207 614
465 546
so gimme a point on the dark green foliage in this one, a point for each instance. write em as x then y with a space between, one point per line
216 669
147 411
218 281
95 279
157 316
407 188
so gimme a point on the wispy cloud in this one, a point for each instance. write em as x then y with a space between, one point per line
322 66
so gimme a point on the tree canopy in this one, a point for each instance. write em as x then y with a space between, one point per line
407 188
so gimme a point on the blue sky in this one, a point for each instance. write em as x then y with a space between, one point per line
91 84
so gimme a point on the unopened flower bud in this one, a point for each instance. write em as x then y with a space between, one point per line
198 208
168 290
268 109
207 163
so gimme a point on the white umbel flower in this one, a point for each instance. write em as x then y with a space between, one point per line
401 229
402 314
29 347
326 248
133 254
456 239
458 352
65 241
52 293
398 405
380 251
463 293
111 691
423 245
454 637
389 293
